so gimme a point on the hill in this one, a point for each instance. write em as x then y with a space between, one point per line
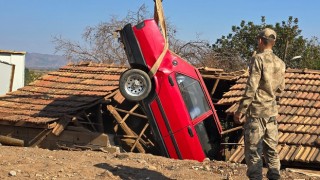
44 61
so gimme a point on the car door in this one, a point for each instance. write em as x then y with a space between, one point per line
183 102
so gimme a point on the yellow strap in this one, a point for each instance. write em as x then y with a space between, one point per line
159 18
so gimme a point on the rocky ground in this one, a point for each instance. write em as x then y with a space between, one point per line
36 163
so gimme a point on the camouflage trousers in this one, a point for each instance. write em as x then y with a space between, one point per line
261 136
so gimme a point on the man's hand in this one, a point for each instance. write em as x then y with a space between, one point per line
238 118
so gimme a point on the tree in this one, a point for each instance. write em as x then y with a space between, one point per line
290 43
100 44
30 76
311 55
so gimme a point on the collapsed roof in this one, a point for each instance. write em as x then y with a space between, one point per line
66 91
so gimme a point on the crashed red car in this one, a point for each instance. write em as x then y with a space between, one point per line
178 106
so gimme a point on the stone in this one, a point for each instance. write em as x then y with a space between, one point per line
12 173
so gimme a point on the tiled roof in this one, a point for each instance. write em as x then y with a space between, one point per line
67 91
299 116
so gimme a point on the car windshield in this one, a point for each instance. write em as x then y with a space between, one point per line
193 95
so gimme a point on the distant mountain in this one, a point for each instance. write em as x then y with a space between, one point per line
44 61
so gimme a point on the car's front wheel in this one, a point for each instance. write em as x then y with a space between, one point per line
135 84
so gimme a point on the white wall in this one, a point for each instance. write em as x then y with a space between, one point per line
18 59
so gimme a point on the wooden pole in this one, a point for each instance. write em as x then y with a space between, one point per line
131 113
137 140
11 141
215 86
231 130
124 126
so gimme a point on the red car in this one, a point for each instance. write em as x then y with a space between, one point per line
179 108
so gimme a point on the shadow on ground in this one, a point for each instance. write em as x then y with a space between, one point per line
130 173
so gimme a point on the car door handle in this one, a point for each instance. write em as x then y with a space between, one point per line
170 81
190 131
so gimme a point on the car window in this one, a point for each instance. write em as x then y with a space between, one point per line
193 95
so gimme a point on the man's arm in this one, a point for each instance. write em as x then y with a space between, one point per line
251 87
282 84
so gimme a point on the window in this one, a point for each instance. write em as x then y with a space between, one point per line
193 95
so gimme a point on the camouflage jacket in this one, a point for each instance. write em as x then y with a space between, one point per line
266 81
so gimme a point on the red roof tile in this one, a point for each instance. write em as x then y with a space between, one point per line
299 114
66 91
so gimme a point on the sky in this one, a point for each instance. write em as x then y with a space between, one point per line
30 25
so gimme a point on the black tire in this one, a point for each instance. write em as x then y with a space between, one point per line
135 84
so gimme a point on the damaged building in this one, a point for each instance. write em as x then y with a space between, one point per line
80 107
71 108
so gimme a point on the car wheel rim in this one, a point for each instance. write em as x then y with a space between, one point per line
135 85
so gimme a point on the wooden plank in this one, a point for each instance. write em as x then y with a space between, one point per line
26 124
125 117
89 120
39 138
112 94
124 126
73 138
231 130
139 137
215 86
131 113
119 98
131 110
11 141
127 136
64 121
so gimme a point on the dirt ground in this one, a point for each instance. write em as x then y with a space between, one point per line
36 163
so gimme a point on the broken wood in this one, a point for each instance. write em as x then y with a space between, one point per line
231 143
127 136
131 113
64 121
111 94
124 126
231 130
131 110
126 117
5 140
39 138
215 86
89 120
139 137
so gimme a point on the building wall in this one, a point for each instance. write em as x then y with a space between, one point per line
18 59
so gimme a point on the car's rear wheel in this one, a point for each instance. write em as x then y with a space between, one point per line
135 84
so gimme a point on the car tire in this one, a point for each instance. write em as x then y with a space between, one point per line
135 84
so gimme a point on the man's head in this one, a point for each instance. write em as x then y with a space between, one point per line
266 38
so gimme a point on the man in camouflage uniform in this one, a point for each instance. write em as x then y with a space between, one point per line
258 104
